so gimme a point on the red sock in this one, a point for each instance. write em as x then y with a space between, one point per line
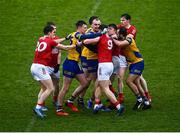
55 98
97 101
43 104
40 104
120 95
112 89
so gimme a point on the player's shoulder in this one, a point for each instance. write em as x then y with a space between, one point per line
119 26
132 27
56 37
89 30
75 34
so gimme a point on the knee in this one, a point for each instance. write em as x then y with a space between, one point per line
85 84
64 89
128 82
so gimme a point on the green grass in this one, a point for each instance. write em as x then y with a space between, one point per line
21 24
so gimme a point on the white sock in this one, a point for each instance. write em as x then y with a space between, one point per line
118 106
38 106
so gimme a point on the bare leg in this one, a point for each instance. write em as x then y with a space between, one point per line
66 84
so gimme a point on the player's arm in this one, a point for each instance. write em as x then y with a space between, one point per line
65 47
123 43
90 35
90 41
59 57
60 40
130 35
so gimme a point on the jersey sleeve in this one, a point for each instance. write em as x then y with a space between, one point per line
77 35
133 31
129 40
89 35
53 43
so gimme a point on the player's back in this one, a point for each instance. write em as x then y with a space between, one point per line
105 46
43 52
74 54
91 55
132 53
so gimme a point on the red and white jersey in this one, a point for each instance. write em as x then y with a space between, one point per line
131 30
55 53
43 52
105 47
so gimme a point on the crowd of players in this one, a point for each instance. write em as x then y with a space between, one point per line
96 55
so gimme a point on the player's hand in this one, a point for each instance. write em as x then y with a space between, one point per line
104 31
79 44
56 68
68 37
114 36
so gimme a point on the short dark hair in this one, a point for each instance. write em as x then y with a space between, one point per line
80 23
47 29
123 31
102 27
126 16
51 23
113 26
92 18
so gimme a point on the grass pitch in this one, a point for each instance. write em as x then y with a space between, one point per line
21 24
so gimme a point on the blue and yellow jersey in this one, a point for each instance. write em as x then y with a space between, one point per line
91 55
132 53
85 50
74 54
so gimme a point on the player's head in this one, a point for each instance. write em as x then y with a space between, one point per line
125 19
102 27
49 30
122 33
51 24
95 22
81 26
112 29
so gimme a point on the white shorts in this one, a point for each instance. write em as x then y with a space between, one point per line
119 62
41 72
105 71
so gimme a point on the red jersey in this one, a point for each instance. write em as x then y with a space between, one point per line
116 51
55 53
105 46
43 52
131 30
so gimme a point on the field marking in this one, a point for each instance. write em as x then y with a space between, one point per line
95 7
30 125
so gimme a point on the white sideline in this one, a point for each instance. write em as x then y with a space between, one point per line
95 7
30 125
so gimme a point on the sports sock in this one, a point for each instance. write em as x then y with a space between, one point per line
55 98
38 106
117 105
80 99
71 99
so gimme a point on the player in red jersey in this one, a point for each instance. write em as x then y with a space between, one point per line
56 60
43 67
105 67
131 30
